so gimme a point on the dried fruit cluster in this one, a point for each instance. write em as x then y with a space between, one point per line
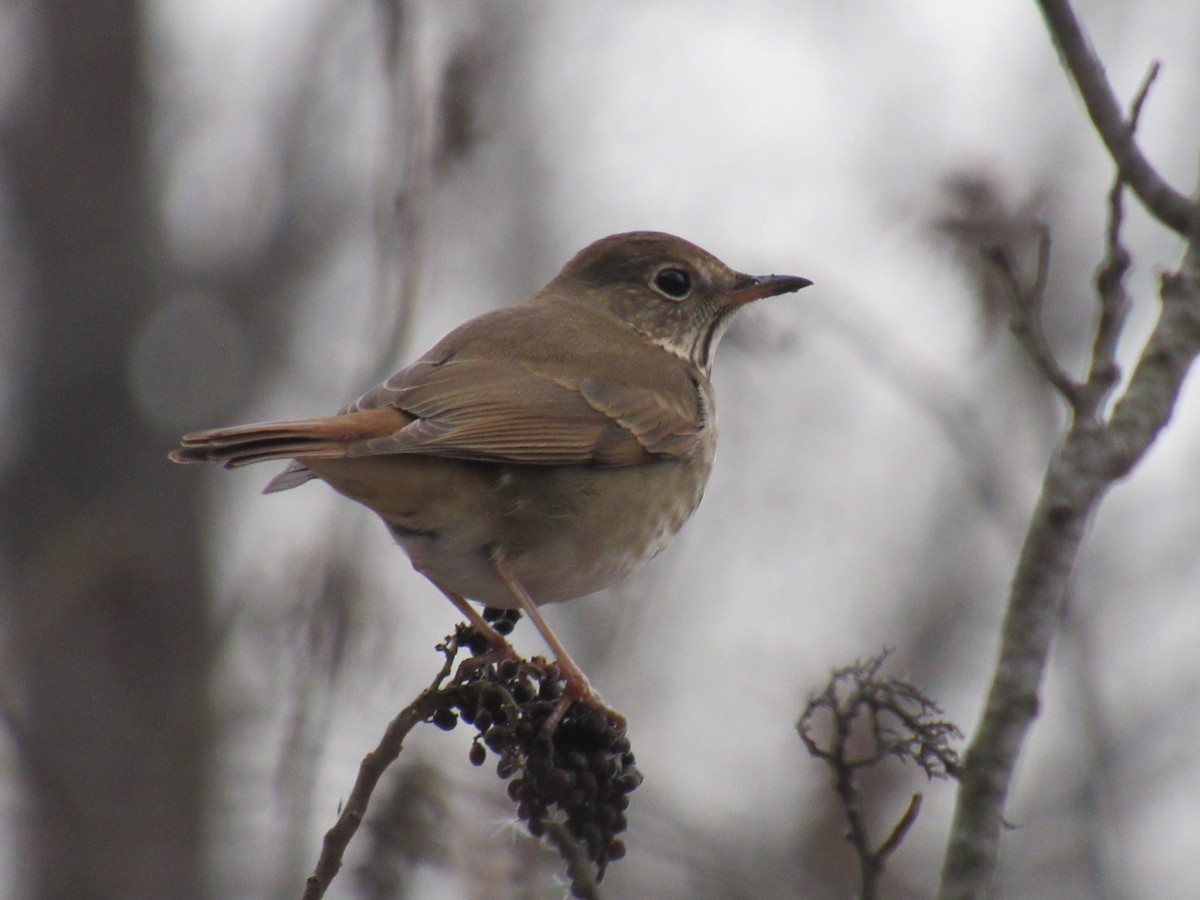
578 774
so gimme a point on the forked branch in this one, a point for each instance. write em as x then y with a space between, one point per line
1026 299
1093 454
1167 205
860 720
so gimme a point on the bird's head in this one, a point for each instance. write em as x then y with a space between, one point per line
667 289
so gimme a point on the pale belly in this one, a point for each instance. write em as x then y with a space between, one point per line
565 531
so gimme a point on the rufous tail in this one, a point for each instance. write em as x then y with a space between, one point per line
325 438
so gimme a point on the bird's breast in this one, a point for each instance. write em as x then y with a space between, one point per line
569 532
566 531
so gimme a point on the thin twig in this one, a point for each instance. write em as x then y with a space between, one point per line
579 870
1103 373
1167 205
1026 303
403 184
1139 99
373 766
894 839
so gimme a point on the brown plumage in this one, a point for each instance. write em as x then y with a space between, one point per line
324 438
539 452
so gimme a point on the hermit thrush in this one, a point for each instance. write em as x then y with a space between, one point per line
539 452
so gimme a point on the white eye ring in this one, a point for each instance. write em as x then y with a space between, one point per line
672 282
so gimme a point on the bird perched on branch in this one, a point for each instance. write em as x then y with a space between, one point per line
539 452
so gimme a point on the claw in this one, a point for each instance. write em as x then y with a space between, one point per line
579 690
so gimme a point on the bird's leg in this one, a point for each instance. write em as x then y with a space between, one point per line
577 685
495 639
499 647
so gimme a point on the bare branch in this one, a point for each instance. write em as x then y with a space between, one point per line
374 764
1026 302
901 828
1103 372
1139 99
1043 572
858 699
1167 205
1157 379
1091 458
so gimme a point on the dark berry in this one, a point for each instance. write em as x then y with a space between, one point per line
522 692
587 783
591 726
602 763
507 766
558 782
444 719
497 736
627 782
508 669
477 644
477 754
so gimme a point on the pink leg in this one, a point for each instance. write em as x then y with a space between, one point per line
500 647
577 687
477 622
490 634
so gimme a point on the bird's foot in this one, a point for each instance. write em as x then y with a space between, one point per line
485 651
488 634
561 749
577 689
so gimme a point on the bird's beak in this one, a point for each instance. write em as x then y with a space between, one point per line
755 287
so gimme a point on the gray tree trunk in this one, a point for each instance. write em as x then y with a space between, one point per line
110 651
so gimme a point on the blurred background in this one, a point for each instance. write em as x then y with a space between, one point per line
216 211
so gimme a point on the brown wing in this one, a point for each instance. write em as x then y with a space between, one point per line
501 410
535 384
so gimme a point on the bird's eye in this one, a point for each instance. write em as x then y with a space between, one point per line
674 283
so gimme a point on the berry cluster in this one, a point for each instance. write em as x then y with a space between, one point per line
576 775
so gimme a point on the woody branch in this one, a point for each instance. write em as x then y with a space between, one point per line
1095 451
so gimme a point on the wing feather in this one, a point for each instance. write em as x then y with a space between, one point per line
500 410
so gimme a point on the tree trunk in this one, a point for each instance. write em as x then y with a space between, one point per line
108 642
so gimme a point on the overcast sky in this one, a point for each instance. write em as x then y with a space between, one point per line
882 441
